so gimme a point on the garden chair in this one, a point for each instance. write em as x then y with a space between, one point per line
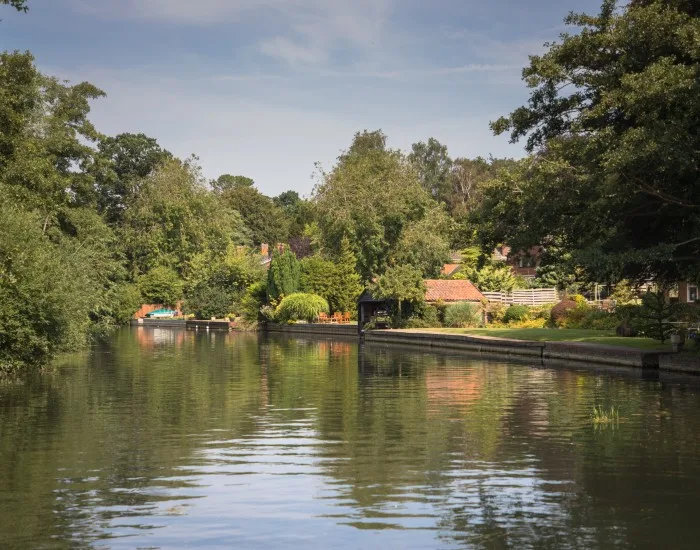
347 317
322 318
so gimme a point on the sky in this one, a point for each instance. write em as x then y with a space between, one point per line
267 88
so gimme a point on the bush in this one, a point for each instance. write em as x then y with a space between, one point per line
430 317
417 322
300 306
161 285
541 312
560 311
208 302
252 302
496 311
516 314
530 323
462 314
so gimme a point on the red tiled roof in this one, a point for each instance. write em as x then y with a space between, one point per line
449 269
451 291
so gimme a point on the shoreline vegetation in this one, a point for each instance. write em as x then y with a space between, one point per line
93 226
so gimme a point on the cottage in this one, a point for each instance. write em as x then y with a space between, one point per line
459 290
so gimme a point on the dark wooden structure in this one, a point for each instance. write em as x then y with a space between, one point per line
368 309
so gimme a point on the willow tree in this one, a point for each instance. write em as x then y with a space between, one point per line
612 127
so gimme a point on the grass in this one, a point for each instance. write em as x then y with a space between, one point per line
603 337
605 416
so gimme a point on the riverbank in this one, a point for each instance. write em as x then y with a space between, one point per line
540 351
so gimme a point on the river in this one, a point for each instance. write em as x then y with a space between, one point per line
172 439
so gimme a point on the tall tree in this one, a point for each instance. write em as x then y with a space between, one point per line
174 218
227 181
347 284
371 196
283 277
264 220
124 161
612 122
434 167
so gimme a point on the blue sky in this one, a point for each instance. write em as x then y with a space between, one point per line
265 88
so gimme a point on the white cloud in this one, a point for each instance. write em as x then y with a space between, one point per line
311 28
293 53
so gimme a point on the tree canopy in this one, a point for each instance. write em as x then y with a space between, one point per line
612 124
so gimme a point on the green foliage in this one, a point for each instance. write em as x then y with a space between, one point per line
347 282
371 196
434 166
19 5
251 303
516 314
560 311
209 301
161 285
492 277
463 315
45 291
300 306
654 316
431 316
263 219
121 165
400 284
283 277
612 122
174 218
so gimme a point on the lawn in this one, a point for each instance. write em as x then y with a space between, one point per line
560 335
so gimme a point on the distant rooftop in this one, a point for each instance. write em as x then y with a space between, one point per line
452 291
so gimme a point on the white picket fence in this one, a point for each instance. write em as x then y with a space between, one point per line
528 297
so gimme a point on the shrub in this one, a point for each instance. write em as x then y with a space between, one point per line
207 302
516 313
417 322
462 314
579 299
560 311
161 285
431 317
300 306
530 323
496 311
252 302
541 312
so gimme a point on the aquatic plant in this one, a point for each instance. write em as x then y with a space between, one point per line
605 416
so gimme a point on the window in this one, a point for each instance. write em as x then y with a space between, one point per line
692 293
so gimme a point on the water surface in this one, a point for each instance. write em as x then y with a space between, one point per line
174 439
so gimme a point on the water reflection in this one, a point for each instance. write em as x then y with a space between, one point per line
166 438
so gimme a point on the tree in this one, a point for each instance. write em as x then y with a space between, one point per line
298 306
226 181
264 220
45 150
434 167
347 283
124 162
612 123
401 284
161 285
424 243
46 293
174 218
492 277
370 196
284 275
19 5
